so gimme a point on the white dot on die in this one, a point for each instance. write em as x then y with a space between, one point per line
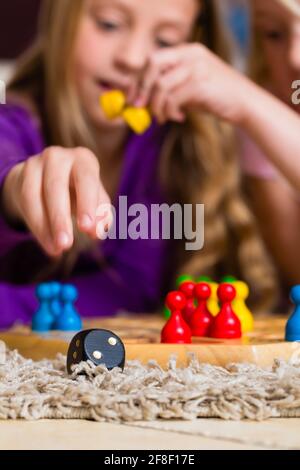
112 341
97 354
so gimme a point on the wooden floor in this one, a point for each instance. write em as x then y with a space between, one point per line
197 435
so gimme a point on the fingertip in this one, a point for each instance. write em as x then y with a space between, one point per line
180 119
51 250
63 241
85 222
140 102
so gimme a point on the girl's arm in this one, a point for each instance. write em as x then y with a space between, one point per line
277 209
276 129
191 77
44 192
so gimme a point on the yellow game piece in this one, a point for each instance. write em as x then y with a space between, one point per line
240 308
113 103
213 302
138 119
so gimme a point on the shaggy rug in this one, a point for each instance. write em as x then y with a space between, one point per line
37 390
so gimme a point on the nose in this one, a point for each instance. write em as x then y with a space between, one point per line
134 54
294 55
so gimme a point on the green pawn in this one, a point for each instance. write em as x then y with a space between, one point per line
228 279
204 279
183 278
167 313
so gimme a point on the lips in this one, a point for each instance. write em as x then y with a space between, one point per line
106 86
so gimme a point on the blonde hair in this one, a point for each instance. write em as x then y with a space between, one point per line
198 160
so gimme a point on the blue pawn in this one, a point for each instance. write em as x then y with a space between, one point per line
69 320
55 304
42 320
292 329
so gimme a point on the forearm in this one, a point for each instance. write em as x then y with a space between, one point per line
12 231
9 206
278 213
276 129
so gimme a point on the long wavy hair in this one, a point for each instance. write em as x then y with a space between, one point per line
198 158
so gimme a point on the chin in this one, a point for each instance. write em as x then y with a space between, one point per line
105 123
100 120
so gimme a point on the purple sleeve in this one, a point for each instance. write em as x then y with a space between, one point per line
19 139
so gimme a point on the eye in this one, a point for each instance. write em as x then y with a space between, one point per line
164 44
274 35
107 25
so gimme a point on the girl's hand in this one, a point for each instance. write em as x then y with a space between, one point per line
46 190
191 77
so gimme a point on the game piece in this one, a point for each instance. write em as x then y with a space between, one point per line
228 279
55 304
42 320
292 329
187 288
213 302
138 119
183 278
98 346
226 324
239 303
69 319
240 308
113 103
204 279
166 313
180 280
201 320
176 330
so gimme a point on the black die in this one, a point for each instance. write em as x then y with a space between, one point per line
98 346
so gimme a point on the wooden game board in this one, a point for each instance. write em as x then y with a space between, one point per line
141 336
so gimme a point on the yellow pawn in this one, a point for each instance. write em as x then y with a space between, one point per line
213 302
113 103
240 308
138 119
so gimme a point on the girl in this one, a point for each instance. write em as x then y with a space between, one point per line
54 138
273 184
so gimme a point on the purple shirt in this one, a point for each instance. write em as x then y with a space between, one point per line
134 271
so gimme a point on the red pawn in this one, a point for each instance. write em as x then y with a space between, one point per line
226 324
176 330
201 320
187 288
